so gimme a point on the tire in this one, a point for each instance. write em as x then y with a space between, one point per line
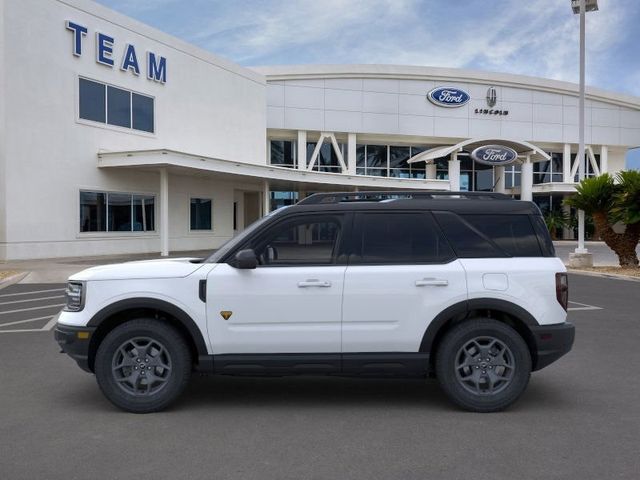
471 365
143 365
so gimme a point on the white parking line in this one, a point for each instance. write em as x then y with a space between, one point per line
34 291
25 321
32 300
33 308
583 306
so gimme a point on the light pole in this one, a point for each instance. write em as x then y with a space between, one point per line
581 7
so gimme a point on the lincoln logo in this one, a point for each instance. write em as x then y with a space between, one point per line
494 155
492 97
448 97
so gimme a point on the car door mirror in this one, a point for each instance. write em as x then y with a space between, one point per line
245 259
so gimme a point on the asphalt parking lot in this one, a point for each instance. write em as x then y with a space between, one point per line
579 419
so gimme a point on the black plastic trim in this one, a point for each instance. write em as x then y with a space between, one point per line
552 342
154 304
504 306
372 364
76 348
202 290
458 310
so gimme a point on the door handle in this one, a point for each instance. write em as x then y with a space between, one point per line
432 282
314 283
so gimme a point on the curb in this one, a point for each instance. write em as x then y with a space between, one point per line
13 279
612 276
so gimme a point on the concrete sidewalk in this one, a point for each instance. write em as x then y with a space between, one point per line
57 270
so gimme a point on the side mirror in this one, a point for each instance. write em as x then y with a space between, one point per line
246 259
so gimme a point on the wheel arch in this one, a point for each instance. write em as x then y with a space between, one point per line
504 311
119 312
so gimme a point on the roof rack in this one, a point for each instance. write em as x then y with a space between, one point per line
379 196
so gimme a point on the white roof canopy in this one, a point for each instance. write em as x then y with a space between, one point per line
522 148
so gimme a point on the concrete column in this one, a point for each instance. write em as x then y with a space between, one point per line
266 199
302 150
566 164
604 159
351 153
498 173
526 180
432 171
454 173
164 212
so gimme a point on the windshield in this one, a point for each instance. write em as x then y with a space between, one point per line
240 238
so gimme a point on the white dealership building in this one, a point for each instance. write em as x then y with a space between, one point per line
118 138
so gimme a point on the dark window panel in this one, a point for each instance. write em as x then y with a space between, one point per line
92 101
512 233
143 213
398 157
201 214
118 107
119 212
465 240
93 212
397 238
377 156
143 109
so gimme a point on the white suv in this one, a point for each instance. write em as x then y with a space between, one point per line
462 286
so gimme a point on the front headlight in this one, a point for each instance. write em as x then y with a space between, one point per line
74 295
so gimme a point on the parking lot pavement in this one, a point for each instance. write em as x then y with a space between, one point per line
579 418
30 307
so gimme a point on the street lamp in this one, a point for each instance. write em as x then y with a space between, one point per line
581 7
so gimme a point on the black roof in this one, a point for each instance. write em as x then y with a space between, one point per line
458 202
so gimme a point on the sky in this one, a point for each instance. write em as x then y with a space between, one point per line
528 37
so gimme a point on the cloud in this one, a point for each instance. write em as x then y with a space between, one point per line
532 37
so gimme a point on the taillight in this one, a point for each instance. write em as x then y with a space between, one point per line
562 289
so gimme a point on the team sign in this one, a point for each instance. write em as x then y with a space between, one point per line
156 65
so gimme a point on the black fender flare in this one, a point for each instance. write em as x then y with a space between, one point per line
155 304
462 309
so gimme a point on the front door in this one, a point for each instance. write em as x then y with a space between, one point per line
402 274
292 302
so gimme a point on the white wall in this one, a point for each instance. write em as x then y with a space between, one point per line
208 106
399 106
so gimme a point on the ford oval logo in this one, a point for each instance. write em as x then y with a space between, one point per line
494 155
448 96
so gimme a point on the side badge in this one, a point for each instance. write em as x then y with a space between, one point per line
226 314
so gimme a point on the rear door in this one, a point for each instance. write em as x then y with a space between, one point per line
401 274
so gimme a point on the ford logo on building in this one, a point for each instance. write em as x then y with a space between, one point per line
448 96
494 155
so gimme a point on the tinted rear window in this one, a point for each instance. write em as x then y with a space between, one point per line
512 233
466 240
399 238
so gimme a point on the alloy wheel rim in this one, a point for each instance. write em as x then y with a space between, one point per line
485 366
141 366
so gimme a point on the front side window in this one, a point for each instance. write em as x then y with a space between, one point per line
299 242
111 105
201 213
116 212
399 238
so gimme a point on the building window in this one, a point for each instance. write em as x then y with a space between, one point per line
389 161
327 160
116 212
548 171
283 153
111 105
201 213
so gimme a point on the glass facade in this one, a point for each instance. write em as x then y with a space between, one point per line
116 212
389 161
548 171
283 153
327 160
115 106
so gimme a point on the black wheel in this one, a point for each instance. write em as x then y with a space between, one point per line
143 365
483 365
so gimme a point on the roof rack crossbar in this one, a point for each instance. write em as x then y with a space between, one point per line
377 196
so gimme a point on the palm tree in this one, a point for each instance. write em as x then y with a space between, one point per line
555 220
609 202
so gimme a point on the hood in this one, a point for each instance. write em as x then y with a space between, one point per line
163 268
